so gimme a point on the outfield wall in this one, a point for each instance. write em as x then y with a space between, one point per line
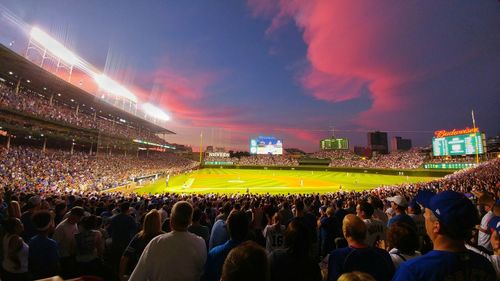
396 172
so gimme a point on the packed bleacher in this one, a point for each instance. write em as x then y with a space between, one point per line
395 160
26 168
338 158
268 160
30 102
55 222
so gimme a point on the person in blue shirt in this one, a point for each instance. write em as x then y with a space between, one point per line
237 227
358 256
43 258
399 204
449 220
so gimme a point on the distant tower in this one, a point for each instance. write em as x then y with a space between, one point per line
377 142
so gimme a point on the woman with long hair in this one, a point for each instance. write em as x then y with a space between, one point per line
150 229
15 259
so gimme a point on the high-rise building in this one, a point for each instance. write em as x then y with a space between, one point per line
400 144
377 142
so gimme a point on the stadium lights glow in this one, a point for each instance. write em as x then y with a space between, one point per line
155 112
153 144
53 46
111 86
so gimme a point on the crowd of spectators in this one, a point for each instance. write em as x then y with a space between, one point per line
33 103
411 159
26 168
268 160
80 231
338 158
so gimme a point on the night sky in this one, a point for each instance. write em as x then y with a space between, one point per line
291 69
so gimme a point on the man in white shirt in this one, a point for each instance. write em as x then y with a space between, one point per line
64 234
484 235
177 255
375 229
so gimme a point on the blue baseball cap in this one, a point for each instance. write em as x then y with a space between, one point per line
451 208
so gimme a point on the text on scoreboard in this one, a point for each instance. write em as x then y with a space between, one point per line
465 144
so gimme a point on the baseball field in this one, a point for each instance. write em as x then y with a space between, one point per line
271 181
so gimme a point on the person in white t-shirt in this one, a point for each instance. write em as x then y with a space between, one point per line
177 255
64 235
274 233
484 235
495 244
375 229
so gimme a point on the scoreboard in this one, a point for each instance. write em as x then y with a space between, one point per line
266 145
334 143
465 144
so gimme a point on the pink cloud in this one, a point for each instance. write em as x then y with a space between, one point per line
382 46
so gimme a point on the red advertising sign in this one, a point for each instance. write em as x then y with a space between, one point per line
455 132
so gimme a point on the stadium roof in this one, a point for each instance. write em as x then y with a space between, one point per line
40 79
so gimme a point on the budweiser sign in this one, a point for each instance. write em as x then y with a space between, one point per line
455 132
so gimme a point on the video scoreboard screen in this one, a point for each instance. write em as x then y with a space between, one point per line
266 145
465 144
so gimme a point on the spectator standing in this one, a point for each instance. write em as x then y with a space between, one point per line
121 229
399 205
15 260
219 234
358 256
484 235
89 247
375 229
449 220
198 229
293 262
151 228
64 235
274 232
43 251
402 242
177 255
237 226
329 230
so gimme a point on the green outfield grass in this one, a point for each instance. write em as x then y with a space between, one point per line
272 181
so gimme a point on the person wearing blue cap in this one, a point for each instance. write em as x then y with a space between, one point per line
449 220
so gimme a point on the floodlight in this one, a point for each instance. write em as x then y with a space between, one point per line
155 112
53 46
111 86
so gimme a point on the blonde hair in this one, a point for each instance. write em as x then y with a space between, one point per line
356 276
14 210
152 225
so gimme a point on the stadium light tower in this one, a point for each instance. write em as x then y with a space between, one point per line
49 48
155 112
113 87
